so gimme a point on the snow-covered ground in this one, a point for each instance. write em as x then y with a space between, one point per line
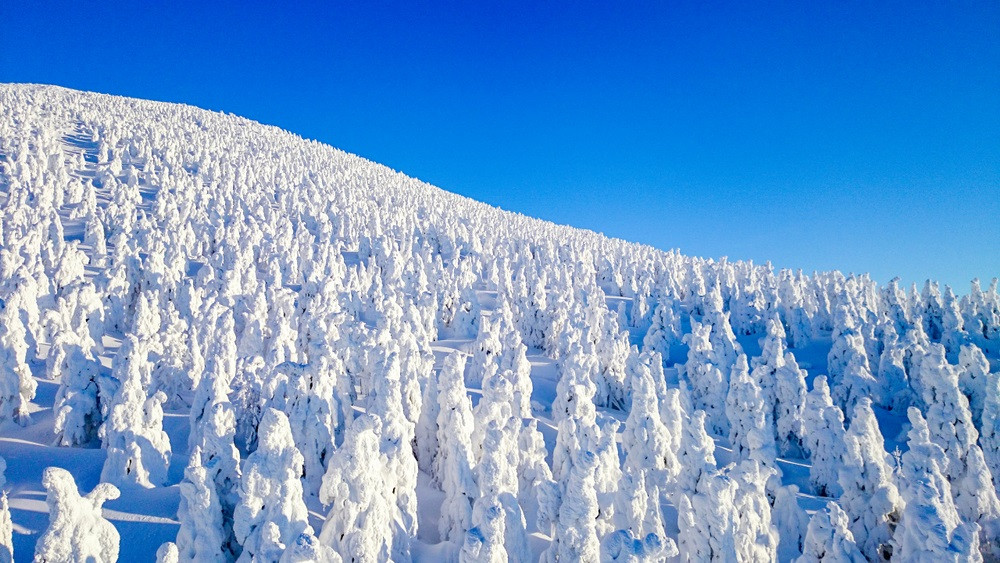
272 349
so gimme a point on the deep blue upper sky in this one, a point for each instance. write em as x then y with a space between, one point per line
821 135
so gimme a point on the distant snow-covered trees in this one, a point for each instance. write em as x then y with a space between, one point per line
292 308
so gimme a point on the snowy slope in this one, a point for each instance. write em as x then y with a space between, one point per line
448 380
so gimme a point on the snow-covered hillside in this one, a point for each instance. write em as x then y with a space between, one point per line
220 341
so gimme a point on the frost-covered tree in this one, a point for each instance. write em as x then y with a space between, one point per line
728 518
607 475
749 433
6 524
576 536
696 455
622 545
892 371
650 461
454 462
950 424
397 439
870 496
485 355
514 364
973 369
6 531
220 369
17 387
828 538
359 525
824 429
533 470
929 528
309 396
308 549
850 372
426 430
201 536
764 368
496 513
271 489
789 406
665 330
80 398
494 407
484 542
707 381
574 412
791 522
138 450
756 537
77 530
989 439
221 459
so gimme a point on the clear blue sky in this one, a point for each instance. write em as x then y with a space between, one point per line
821 135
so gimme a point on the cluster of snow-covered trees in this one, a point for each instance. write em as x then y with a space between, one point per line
286 297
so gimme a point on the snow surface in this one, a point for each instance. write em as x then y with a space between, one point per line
240 260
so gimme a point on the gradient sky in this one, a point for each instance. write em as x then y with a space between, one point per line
856 136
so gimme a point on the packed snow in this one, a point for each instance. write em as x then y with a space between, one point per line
221 342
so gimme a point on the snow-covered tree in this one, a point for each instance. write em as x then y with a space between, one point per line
828 538
749 432
647 441
308 395
201 536
514 364
825 435
17 387
665 330
138 450
791 522
397 449
575 536
308 549
951 427
870 496
850 373
79 400
426 430
77 529
929 528
532 470
221 459
989 439
484 542
789 406
728 517
756 537
622 545
707 380
6 531
359 525
271 490
496 512
696 455
454 463
6 524
973 370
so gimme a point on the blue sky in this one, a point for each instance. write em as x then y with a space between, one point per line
822 135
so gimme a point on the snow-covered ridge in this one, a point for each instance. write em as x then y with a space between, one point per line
250 345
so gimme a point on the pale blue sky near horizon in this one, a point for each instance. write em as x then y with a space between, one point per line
859 136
